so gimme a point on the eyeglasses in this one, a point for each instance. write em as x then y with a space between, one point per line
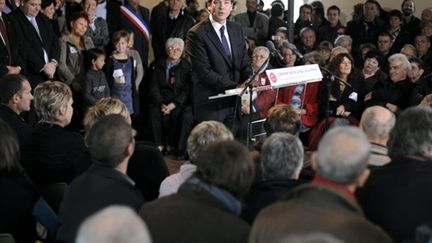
259 56
174 49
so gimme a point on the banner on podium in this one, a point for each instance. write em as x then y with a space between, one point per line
289 76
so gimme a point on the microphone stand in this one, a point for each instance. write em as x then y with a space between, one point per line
249 86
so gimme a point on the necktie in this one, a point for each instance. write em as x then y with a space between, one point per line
225 42
4 34
34 23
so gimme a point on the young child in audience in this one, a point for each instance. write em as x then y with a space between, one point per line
121 71
138 65
95 85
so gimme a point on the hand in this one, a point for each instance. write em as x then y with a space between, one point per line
340 111
49 69
13 69
391 107
368 96
300 111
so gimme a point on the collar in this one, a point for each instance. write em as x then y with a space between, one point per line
215 24
318 180
222 195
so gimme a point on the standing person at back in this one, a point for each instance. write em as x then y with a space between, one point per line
219 57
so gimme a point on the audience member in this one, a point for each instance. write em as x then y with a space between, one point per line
307 40
111 144
276 19
97 27
371 71
410 21
399 32
409 51
368 27
203 134
11 47
113 224
169 92
191 8
254 23
135 17
401 185
207 206
327 204
95 83
282 118
334 28
281 162
423 85
175 23
18 194
139 72
41 46
384 45
52 153
377 122
15 98
395 91
304 20
424 52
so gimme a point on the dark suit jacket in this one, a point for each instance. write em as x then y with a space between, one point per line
193 215
34 46
398 195
216 72
94 190
15 57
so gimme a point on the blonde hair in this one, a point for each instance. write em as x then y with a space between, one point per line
49 97
104 107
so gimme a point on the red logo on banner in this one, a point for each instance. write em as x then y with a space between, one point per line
272 77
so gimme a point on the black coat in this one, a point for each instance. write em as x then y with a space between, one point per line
94 190
398 195
360 34
396 93
164 29
162 92
17 123
34 46
16 55
53 154
193 215
18 196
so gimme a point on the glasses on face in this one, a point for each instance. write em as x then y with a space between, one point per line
174 49
259 56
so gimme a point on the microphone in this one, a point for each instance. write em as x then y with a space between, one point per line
292 47
274 52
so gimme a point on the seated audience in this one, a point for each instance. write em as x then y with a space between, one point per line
52 153
113 224
423 84
111 144
204 133
397 196
281 162
15 98
377 122
409 51
207 206
327 204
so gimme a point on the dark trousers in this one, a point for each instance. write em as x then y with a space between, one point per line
166 128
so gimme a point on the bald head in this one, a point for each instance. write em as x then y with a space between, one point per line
377 123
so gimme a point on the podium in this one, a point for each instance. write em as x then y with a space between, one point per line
279 78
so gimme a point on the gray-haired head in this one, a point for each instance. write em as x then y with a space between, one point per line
377 122
342 38
175 40
401 57
113 224
205 133
337 50
343 154
281 157
409 50
412 133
